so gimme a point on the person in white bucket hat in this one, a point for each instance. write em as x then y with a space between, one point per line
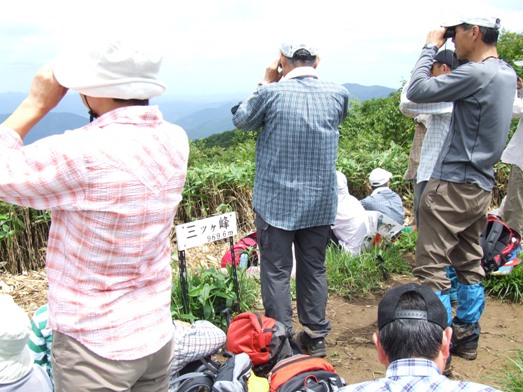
17 371
113 187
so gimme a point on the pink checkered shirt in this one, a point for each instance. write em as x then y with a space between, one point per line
113 187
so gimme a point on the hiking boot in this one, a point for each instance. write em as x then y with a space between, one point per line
465 339
315 347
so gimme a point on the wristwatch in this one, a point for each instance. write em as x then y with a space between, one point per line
430 45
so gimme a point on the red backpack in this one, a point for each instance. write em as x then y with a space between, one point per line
264 339
498 241
304 373
246 247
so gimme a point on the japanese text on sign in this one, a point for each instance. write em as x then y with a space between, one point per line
206 230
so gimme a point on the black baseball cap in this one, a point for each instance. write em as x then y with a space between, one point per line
448 57
435 310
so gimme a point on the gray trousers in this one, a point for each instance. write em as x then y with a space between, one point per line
419 187
311 280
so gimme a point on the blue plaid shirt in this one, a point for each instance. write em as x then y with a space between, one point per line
415 374
295 184
386 201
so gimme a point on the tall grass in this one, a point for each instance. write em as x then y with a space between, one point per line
511 377
358 276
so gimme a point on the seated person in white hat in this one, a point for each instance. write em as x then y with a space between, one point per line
350 226
382 198
17 370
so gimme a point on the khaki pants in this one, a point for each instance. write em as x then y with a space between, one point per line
75 368
452 217
513 209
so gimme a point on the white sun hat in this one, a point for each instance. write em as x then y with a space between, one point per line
111 68
16 360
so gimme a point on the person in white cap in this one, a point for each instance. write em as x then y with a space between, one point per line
382 198
18 373
113 187
351 224
454 205
295 191
513 155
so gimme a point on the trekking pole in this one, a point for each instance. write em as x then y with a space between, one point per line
183 281
234 267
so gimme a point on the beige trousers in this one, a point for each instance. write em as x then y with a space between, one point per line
452 217
513 209
76 368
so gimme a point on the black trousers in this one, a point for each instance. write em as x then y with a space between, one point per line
276 262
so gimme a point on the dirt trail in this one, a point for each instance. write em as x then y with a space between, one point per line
351 350
349 345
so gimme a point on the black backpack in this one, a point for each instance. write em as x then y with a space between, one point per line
498 241
206 375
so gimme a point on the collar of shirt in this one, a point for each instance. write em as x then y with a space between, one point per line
378 190
129 114
420 367
300 72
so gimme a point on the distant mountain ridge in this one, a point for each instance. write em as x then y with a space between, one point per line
199 116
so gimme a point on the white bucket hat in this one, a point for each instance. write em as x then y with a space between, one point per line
125 69
379 177
15 357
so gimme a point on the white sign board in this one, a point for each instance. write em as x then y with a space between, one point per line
206 230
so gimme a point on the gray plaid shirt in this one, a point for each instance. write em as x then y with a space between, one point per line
296 150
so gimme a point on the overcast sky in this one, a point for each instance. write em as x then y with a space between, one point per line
223 46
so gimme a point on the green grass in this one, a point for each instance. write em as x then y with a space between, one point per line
357 276
506 287
511 379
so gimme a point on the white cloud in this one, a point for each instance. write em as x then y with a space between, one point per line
224 46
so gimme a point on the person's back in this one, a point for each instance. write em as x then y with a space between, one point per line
382 198
296 152
113 187
294 194
351 224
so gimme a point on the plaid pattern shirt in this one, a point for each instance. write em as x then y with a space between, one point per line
415 374
113 187
386 201
438 123
296 150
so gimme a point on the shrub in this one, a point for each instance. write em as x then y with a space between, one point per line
210 293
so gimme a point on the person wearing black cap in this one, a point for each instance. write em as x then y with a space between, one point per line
413 342
453 207
437 124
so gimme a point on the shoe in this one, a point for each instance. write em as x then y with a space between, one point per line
465 339
468 353
315 347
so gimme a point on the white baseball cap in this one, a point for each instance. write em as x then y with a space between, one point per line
379 177
289 48
485 21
